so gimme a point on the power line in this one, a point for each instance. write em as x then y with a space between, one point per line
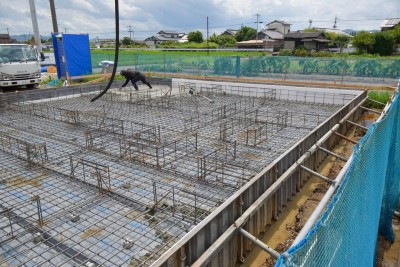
361 20
308 21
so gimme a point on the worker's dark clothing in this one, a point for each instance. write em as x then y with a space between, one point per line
134 76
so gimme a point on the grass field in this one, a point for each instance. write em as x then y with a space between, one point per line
380 96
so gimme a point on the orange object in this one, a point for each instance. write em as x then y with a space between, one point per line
52 69
368 117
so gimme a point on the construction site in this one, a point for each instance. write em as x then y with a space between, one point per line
155 176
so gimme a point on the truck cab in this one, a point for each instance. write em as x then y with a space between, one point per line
19 66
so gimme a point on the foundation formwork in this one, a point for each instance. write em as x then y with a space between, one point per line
151 176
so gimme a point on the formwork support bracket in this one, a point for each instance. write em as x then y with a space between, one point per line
257 242
372 100
345 137
326 179
371 110
358 125
333 154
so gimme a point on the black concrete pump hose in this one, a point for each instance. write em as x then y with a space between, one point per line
116 53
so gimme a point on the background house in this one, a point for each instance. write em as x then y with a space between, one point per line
272 40
230 32
101 43
184 38
252 44
279 26
6 39
163 36
389 24
310 40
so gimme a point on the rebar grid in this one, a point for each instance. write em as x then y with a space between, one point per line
118 181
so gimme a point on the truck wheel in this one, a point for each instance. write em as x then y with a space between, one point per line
32 86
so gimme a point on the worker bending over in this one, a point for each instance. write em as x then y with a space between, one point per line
134 77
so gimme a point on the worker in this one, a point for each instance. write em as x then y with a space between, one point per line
134 76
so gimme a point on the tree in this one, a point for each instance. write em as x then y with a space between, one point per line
340 40
310 30
126 41
31 41
364 42
245 33
396 33
223 40
384 43
214 38
227 40
196 37
170 44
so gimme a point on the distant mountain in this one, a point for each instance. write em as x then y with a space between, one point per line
350 31
25 37
353 32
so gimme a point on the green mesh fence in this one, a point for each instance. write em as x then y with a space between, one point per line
346 234
336 70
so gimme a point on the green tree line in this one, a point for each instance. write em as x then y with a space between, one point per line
380 43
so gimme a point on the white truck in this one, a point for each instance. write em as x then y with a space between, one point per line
19 66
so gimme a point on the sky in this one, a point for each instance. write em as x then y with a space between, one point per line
147 17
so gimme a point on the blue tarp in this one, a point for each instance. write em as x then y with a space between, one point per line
72 54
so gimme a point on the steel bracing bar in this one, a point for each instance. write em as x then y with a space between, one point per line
321 206
372 100
372 110
358 125
333 154
326 179
258 242
345 138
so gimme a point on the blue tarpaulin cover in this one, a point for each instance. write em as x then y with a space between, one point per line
72 54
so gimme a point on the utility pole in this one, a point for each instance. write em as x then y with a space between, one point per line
53 16
334 25
310 21
258 15
130 32
208 49
8 32
38 41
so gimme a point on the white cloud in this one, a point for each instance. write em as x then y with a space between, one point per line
147 17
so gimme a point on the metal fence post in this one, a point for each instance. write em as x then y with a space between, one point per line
237 66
